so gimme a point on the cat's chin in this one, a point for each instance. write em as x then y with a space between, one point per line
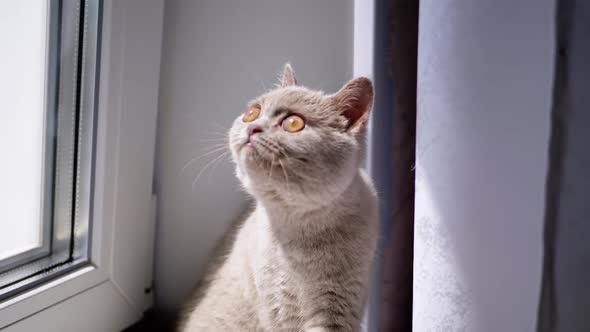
252 158
248 154
251 161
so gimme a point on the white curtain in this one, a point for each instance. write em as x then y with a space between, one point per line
485 75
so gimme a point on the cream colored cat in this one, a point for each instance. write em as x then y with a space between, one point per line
301 261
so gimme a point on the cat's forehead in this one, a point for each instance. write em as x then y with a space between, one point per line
297 98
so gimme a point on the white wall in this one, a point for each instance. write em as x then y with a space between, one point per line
217 55
484 95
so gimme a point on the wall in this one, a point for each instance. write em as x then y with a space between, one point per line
484 94
217 55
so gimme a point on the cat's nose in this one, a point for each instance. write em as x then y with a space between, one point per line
254 129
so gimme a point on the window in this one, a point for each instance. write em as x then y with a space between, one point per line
47 112
78 108
22 91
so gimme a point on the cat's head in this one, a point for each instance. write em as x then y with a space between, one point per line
300 146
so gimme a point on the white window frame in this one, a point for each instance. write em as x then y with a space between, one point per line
113 292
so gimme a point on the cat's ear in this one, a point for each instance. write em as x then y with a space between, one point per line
287 77
354 101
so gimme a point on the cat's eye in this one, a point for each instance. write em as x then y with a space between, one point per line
293 123
252 114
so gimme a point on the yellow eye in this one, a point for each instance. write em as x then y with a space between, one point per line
293 123
252 114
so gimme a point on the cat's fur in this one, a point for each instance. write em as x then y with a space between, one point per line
301 261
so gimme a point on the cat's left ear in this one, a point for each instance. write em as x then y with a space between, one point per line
287 77
354 101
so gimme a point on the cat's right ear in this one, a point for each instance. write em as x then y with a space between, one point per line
287 77
354 102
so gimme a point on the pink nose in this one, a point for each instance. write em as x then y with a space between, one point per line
253 129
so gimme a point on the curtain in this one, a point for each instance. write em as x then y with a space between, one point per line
396 291
565 292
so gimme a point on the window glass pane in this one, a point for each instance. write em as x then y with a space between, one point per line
22 124
48 69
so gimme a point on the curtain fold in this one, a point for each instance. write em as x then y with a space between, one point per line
565 290
397 273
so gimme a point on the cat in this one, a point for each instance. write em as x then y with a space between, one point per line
301 261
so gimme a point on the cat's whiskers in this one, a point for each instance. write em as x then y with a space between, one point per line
212 136
219 126
286 178
210 163
195 159
215 133
276 149
286 155
212 168
216 145
272 162
225 139
283 151
273 151
262 84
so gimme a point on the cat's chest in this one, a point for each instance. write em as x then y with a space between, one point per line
271 266
278 285
279 290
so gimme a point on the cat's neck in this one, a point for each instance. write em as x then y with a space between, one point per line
288 220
